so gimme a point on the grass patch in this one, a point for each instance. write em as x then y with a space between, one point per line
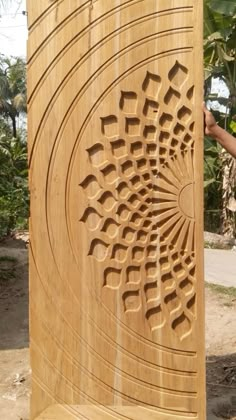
7 275
222 290
216 245
7 258
7 268
228 304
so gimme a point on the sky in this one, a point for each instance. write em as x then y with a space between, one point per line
13 29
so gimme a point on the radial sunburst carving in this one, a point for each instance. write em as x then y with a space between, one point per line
140 216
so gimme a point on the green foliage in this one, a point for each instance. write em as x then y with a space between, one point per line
220 61
223 290
220 42
8 258
12 89
212 245
212 184
223 7
220 47
14 200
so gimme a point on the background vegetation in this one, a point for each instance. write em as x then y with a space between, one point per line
220 62
14 201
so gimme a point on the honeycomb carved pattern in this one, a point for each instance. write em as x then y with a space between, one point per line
140 177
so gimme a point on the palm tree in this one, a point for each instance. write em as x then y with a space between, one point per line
12 89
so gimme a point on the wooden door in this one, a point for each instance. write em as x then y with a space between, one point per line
115 151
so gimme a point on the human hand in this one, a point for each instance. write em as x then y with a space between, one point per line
210 122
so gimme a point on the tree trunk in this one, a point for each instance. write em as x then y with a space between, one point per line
14 131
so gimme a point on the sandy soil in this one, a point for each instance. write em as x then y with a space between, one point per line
14 342
221 355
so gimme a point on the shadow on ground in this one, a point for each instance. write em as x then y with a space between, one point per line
221 386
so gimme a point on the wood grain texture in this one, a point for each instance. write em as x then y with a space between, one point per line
115 152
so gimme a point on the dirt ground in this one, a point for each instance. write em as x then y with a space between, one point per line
14 341
14 336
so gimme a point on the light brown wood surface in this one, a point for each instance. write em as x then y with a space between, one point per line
115 152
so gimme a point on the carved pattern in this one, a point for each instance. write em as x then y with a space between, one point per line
140 191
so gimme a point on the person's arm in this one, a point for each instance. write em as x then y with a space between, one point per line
219 134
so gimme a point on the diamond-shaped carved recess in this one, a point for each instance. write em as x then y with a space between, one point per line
129 235
150 291
156 318
128 102
112 278
137 148
119 148
152 149
178 74
92 218
111 228
134 200
172 98
119 253
164 137
190 93
123 212
123 190
182 326
151 84
91 186
138 253
179 129
150 108
150 132
127 168
133 126
132 301
133 275
134 182
184 114
110 174
110 126
165 121
151 270
97 154
107 200
98 249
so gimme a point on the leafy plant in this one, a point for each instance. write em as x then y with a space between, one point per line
12 89
14 200
220 61
212 184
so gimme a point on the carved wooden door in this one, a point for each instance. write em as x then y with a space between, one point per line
115 150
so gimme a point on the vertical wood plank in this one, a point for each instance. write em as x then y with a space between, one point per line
115 152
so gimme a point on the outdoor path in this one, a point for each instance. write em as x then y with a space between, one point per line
220 267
